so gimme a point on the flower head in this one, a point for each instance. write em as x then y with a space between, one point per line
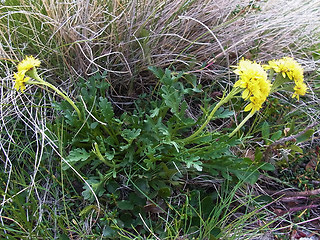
253 78
23 67
20 81
299 90
290 68
28 63
255 104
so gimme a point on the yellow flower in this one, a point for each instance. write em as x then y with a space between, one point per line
290 68
253 78
28 63
23 67
299 90
255 104
287 66
20 81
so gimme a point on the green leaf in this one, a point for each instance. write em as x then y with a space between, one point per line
87 209
137 200
305 136
76 155
172 98
204 139
295 148
276 136
125 147
291 127
127 219
113 186
252 178
164 192
94 125
109 155
192 79
166 172
108 232
172 143
154 112
96 185
263 199
106 109
141 187
130 134
63 237
250 175
125 205
258 155
163 129
215 232
166 79
265 130
207 205
267 167
192 161
158 72
223 113
144 33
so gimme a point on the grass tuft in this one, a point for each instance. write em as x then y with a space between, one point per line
124 37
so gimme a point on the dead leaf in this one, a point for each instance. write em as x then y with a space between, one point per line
312 164
153 208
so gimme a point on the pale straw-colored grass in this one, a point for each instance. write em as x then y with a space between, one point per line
124 37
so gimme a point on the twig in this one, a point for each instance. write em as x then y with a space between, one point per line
294 194
296 209
268 151
299 223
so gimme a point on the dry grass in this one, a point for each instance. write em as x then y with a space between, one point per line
124 37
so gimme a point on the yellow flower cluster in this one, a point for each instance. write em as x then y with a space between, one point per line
253 78
28 67
24 66
290 68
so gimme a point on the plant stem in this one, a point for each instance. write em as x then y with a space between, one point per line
99 155
241 124
279 80
233 92
39 81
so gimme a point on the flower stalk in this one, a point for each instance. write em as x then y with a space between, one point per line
26 70
256 88
97 152
289 70
39 81
233 92
241 124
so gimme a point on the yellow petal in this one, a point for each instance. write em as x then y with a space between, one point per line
237 83
248 107
28 63
245 94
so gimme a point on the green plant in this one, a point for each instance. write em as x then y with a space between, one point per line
24 212
150 149
144 150
153 138
202 214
